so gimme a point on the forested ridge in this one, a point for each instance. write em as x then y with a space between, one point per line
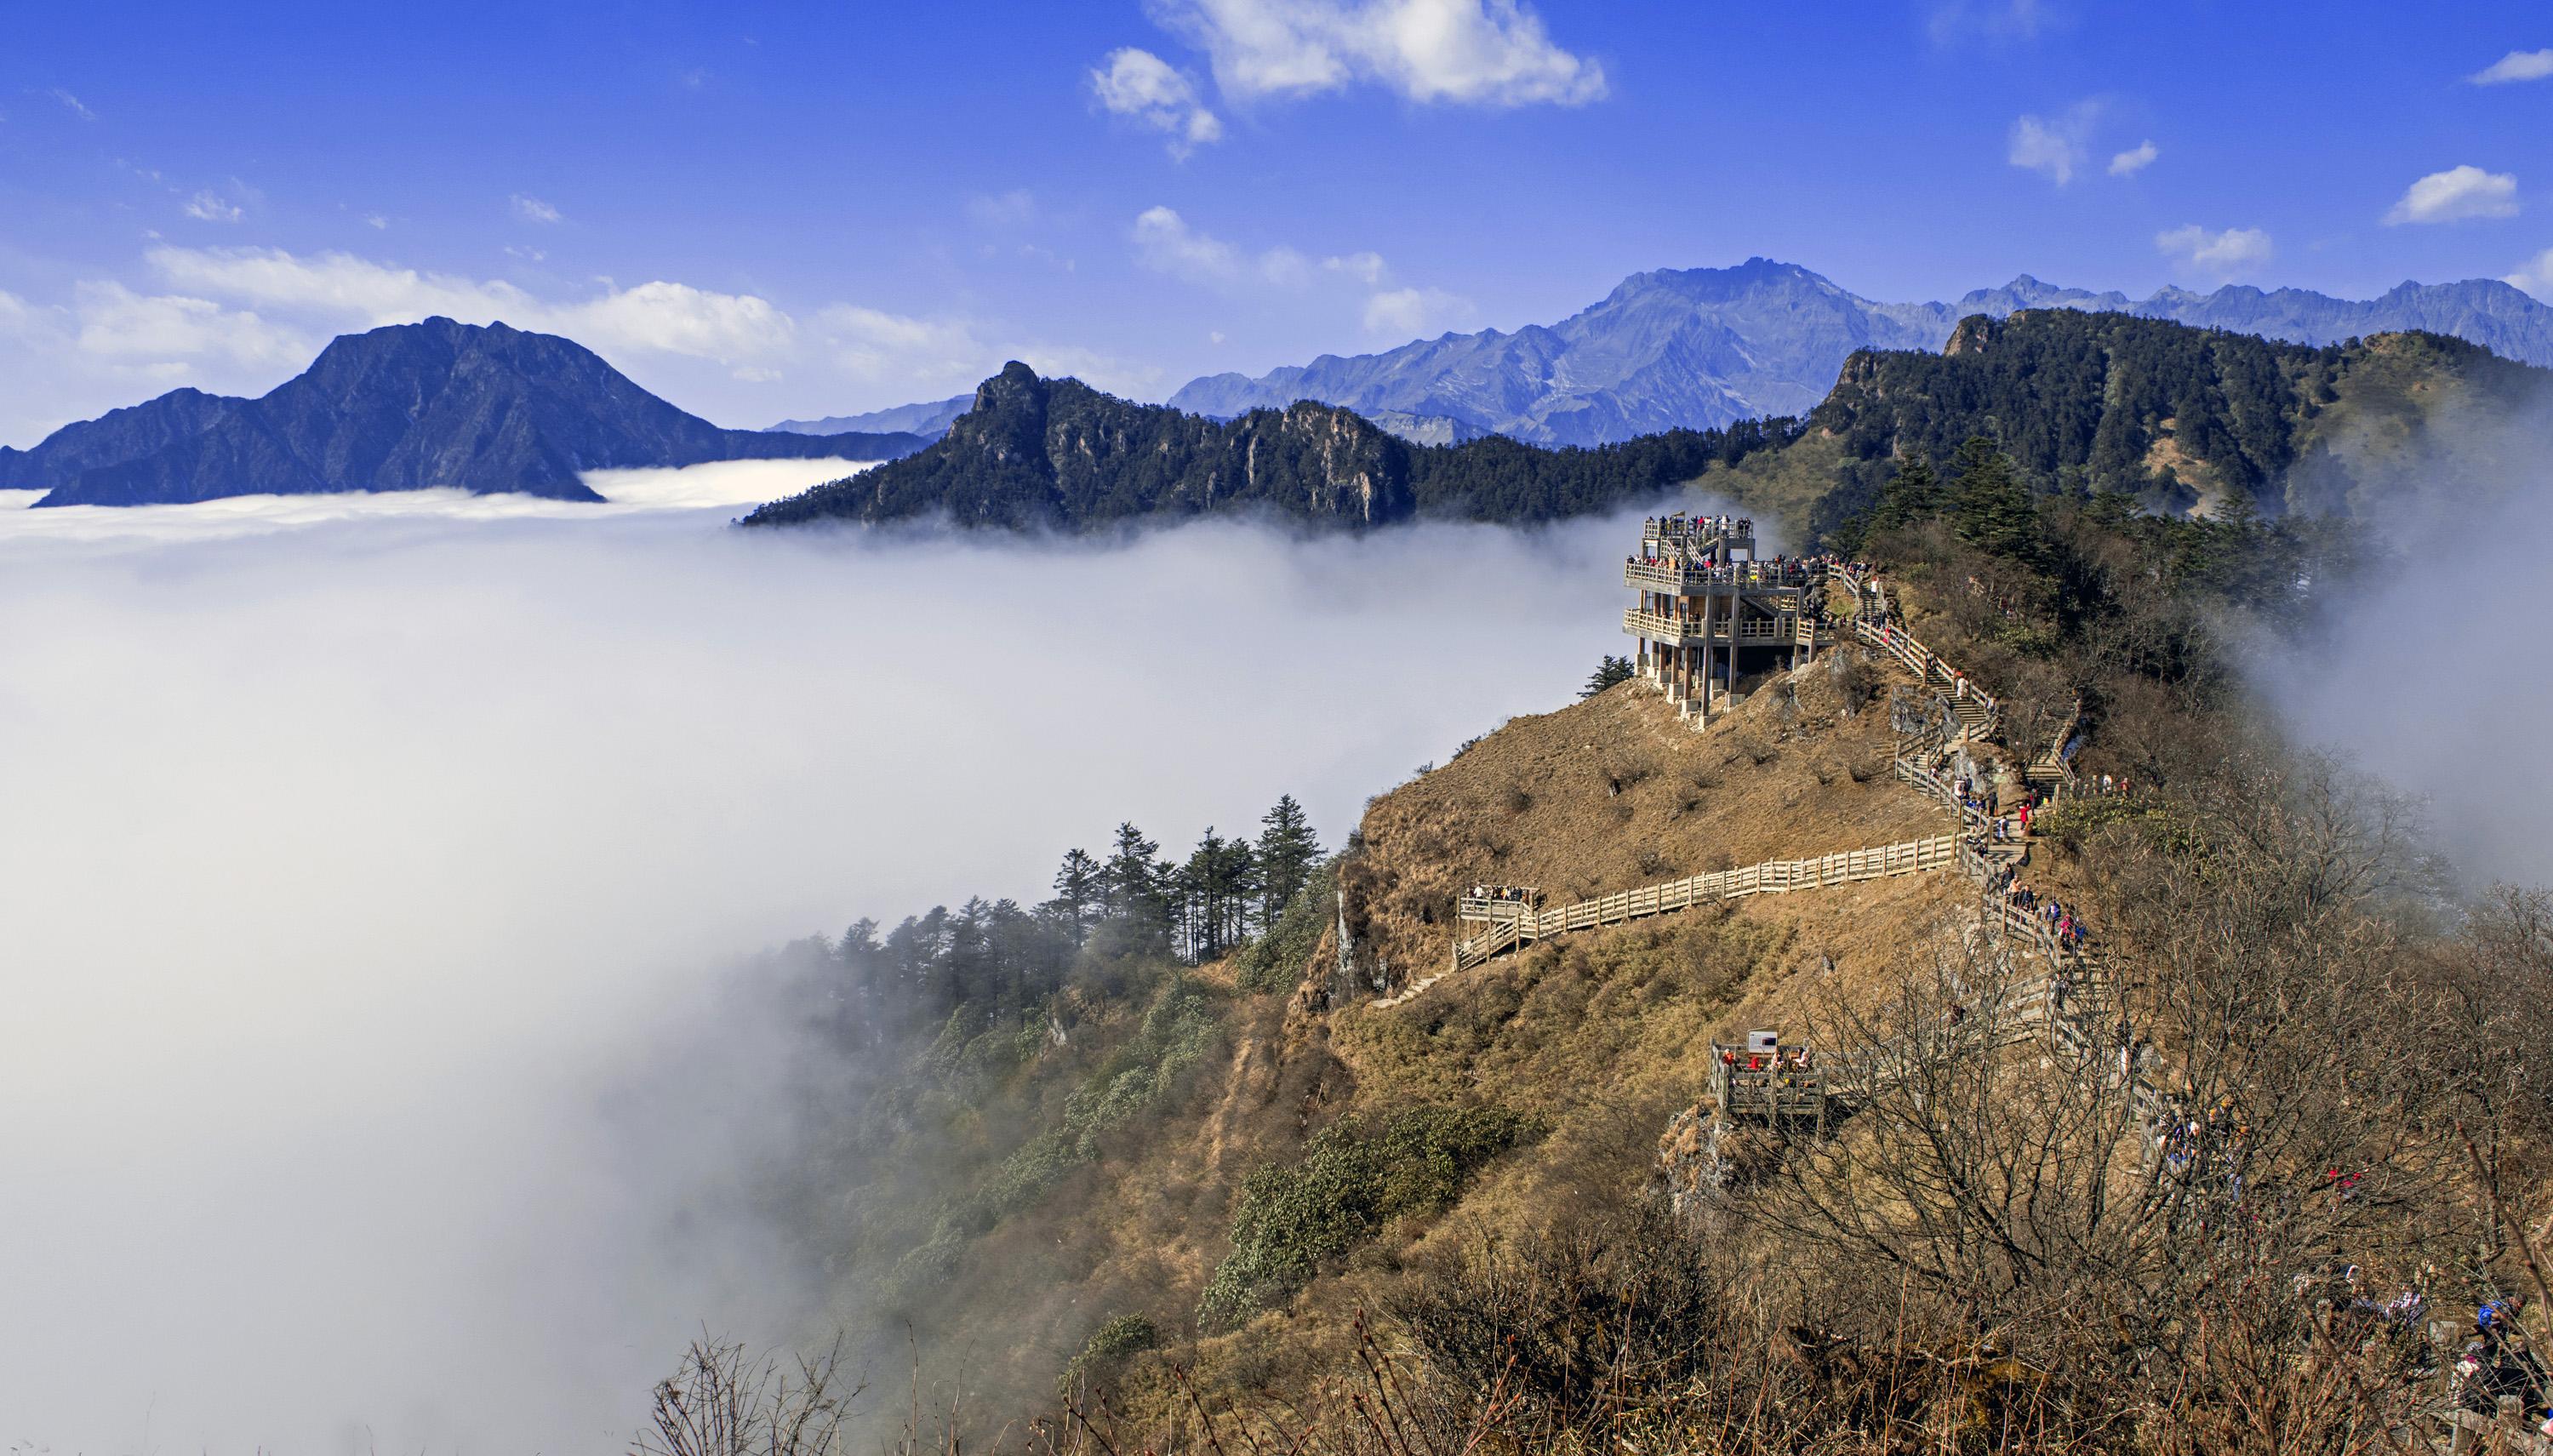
2171 417
1056 454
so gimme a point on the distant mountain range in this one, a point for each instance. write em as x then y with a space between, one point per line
929 420
1694 348
484 409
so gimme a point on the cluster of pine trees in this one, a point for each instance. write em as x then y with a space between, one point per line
994 958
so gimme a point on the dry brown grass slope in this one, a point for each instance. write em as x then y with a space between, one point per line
1614 793
1600 1037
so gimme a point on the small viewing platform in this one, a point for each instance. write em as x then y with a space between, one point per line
1763 1081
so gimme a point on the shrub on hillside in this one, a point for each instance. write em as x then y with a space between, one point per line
1107 1351
1276 961
1353 1178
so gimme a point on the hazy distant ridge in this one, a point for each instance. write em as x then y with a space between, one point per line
1695 348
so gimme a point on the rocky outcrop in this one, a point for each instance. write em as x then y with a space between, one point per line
1056 452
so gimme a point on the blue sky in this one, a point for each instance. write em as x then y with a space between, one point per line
763 211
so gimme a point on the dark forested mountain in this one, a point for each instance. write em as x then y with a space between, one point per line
483 409
1700 346
117 435
2181 418
928 419
1056 452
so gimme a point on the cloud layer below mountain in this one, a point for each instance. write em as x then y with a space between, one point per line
358 871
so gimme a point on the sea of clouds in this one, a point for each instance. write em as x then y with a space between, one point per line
359 854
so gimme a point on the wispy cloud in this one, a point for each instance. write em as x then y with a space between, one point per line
2133 161
2221 256
1478 53
2535 275
74 104
1405 313
2457 194
2516 65
211 206
1141 85
2052 146
533 210
1166 243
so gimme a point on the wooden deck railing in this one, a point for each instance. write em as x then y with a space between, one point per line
1772 877
1659 626
1673 576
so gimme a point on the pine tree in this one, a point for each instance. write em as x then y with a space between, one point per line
1990 508
1287 851
1608 671
1911 495
1081 893
1133 885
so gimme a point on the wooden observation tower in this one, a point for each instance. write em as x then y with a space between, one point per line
1709 610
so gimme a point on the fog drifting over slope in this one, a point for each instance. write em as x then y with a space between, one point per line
345 866
2438 678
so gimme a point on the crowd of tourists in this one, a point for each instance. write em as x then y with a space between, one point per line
1780 1058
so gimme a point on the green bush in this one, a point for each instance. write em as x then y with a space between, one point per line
1108 1349
1353 1178
1275 961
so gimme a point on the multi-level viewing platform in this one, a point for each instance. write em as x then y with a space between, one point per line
1705 603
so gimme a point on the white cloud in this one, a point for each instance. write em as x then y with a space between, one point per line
533 210
1483 52
241 320
1137 83
212 752
1419 312
1364 268
2133 161
114 323
71 104
2516 65
676 318
377 222
2220 255
1164 243
2535 275
211 206
2456 194
661 317
2053 146
871 344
